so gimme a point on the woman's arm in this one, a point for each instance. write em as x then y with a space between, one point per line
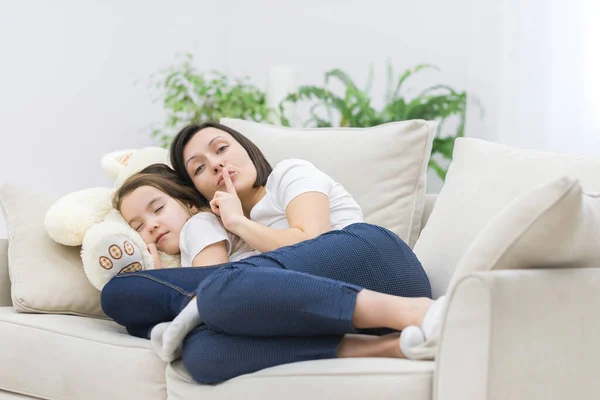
213 254
307 215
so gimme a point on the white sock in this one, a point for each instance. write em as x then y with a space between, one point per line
410 337
156 340
188 319
433 317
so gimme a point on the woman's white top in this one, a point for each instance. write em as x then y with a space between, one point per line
293 177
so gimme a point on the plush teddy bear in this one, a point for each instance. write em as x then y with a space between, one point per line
87 218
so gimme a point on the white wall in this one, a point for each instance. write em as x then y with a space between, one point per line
73 74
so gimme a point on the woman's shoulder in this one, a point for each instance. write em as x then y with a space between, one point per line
294 168
293 177
291 162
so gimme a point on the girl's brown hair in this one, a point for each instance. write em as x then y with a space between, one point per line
165 179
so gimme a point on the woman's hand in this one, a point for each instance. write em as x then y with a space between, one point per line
227 205
155 257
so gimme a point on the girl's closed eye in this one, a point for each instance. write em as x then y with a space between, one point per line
158 209
139 227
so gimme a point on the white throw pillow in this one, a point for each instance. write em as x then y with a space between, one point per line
555 225
383 167
46 277
482 180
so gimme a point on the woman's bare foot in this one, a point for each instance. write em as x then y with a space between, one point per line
387 346
419 307
379 310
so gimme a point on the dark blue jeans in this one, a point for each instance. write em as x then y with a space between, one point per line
291 304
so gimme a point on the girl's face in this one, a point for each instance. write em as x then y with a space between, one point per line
205 155
156 216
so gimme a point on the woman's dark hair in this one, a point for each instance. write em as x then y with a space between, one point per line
165 179
263 168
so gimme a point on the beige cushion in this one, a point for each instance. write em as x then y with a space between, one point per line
364 378
482 180
4 395
554 225
383 167
46 277
68 357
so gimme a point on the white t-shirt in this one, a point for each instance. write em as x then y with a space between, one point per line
204 229
293 177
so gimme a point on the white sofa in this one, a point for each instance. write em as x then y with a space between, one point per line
508 334
71 357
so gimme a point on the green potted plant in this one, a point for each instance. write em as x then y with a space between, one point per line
190 96
354 109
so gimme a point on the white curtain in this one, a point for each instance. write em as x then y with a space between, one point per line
550 86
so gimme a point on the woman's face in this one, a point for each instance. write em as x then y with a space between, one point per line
207 152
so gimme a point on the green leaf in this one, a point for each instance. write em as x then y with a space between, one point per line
439 170
369 85
342 76
410 72
192 96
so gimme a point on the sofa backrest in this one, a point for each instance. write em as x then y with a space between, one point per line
482 181
427 209
5 299
383 167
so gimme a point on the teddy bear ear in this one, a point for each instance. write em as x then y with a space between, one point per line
114 163
139 160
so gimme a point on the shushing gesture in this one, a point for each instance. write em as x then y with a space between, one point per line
227 204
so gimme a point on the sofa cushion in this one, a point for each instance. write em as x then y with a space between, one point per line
4 395
482 180
554 225
358 378
45 276
383 167
70 357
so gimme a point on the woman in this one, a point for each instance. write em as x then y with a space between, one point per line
323 275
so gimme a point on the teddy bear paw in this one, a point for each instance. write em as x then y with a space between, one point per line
120 256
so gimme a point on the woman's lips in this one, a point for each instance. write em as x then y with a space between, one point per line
220 181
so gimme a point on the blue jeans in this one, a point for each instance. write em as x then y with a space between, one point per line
291 304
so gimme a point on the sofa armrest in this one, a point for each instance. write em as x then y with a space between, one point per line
522 334
5 299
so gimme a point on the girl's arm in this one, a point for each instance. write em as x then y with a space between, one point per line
213 254
307 215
